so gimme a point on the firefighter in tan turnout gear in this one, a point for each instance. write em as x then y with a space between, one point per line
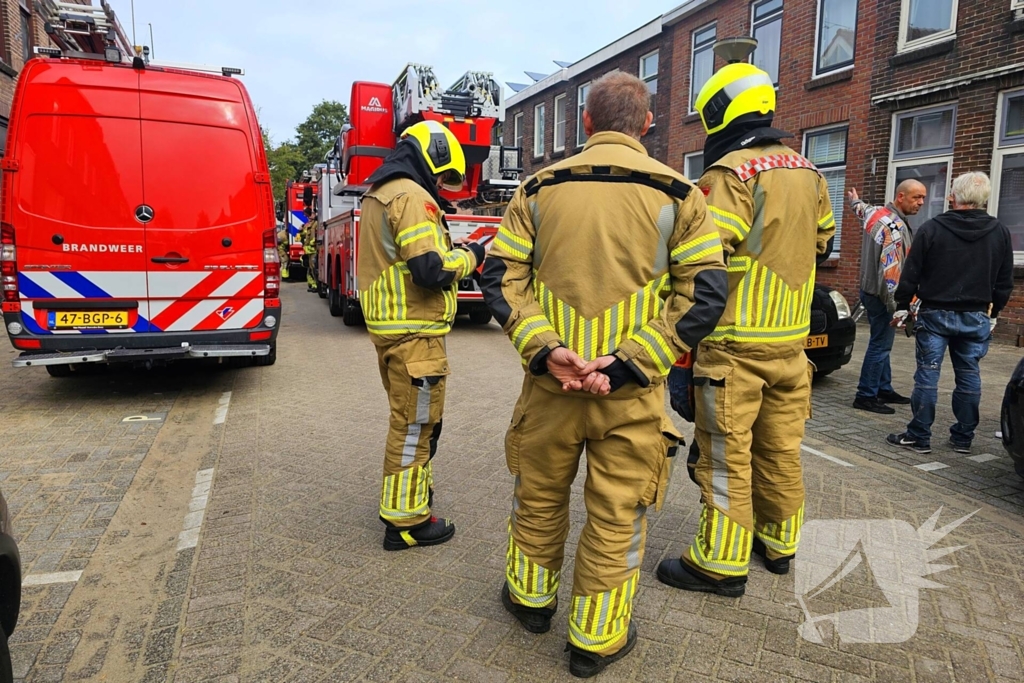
408 273
605 269
753 381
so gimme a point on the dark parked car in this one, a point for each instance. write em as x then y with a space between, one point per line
10 590
1012 418
833 331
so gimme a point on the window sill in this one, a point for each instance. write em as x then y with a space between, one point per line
558 153
536 158
831 262
1018 271
7 69
828 79
1017 24
691 118
917 54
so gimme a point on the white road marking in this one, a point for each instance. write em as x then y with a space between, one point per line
222 409
984 457
930 466
830 458
193 524
47 579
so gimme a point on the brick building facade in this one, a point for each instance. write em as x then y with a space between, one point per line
867 88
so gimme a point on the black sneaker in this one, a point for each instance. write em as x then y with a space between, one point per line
906 442
779 565
583 664
959 447
432 532
678 574
533 619
893 398
873 405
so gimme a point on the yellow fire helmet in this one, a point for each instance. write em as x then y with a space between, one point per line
734 90
441 150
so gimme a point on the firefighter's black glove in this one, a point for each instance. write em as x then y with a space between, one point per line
619 374
476 249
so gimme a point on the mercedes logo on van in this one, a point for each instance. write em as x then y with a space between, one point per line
144 213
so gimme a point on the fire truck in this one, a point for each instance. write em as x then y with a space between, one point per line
298 195
471 108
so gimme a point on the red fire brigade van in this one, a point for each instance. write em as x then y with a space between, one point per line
137 221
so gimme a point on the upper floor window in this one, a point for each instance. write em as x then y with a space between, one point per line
702 62
26 34
559 142
649 75
538 130
837 35
766 27
581 101
517 130
926 21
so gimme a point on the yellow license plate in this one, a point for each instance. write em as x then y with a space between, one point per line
816 341
88 320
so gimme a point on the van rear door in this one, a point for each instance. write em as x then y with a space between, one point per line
78 184
204 241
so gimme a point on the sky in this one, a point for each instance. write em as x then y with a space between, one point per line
296 54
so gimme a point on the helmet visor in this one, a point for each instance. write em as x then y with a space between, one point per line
451 180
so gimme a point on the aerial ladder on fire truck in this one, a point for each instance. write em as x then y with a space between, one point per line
85 29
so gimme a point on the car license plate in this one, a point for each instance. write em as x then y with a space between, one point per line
88 320
816 341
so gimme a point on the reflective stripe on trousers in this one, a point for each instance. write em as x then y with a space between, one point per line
528 582
596 622
721 546
782 537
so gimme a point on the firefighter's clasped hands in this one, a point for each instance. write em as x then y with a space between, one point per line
576 374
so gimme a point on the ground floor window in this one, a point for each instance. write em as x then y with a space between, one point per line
693 166
826 149
934 175
1008 168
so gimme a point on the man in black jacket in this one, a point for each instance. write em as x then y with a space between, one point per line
961 270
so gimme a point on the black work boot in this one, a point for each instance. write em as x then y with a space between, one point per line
678 574
779 565
583 664
533 619
432 532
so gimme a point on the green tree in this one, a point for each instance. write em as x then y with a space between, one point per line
316 135
285 162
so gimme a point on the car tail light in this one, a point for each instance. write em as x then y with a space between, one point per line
260 336
8 263
27 343
271 265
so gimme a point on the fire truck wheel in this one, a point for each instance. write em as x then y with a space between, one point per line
353 314
59 370
321 289
269 359
480 316
335 302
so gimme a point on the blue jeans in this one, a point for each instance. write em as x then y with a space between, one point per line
966 336
876 373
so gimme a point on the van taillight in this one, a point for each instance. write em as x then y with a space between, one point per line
8 263
271 265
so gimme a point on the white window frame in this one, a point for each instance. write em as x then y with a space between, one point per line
777 16
838 215
1016 5
904 45
580 104
686 164
933 158
693 54
999 151
555 147
538 130
517 130
647 78
817 73
900 156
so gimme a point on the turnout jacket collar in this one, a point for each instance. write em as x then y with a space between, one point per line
610 137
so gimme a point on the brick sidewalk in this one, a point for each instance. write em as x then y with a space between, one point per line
290 581
987 474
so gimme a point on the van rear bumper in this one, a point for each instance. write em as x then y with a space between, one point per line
58 349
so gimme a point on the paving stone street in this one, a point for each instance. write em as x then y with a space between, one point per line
205 524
